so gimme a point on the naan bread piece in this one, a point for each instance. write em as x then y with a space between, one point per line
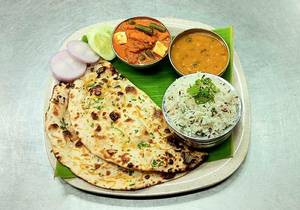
69 150
121 124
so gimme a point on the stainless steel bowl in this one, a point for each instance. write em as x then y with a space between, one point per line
140 66
204 142
194 30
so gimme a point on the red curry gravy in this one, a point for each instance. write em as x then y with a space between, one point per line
139 48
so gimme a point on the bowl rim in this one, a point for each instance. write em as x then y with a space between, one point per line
204 140
193 30
143 64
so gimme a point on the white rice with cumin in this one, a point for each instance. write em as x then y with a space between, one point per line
200 120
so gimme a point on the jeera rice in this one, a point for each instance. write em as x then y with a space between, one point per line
201 106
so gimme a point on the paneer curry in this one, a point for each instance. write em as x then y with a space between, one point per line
141 40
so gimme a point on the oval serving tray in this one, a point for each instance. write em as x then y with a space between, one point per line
206 175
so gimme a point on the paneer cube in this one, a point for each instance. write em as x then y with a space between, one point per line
160 49
120 37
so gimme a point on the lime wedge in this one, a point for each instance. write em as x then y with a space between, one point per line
100 40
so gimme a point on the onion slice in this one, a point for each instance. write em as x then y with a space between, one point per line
81 51
65 68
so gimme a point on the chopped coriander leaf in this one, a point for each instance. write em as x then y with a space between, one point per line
143 144
84 39
203 90
99 107
213 111
92 85
63 124
97 100
117 129
92 103
151 135
181 126
154 163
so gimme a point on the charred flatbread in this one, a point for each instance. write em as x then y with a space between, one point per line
119 123
71 152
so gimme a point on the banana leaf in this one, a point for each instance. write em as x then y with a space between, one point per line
154 81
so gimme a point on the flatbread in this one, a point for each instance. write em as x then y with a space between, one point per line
121 124
69 150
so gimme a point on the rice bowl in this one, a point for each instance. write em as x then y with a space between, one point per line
204 121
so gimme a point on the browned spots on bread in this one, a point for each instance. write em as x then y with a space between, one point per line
100 70
98 128
97 166
157 113
78 144
71 95
170 161
56 154
67 135
94 116
175 142
125 158
100 137
55 111
55 101
128 120
53 126
70 85
130 89
119 93
111 152
114 116
96 90
77 116
130 165
167 130
168 175
113 71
